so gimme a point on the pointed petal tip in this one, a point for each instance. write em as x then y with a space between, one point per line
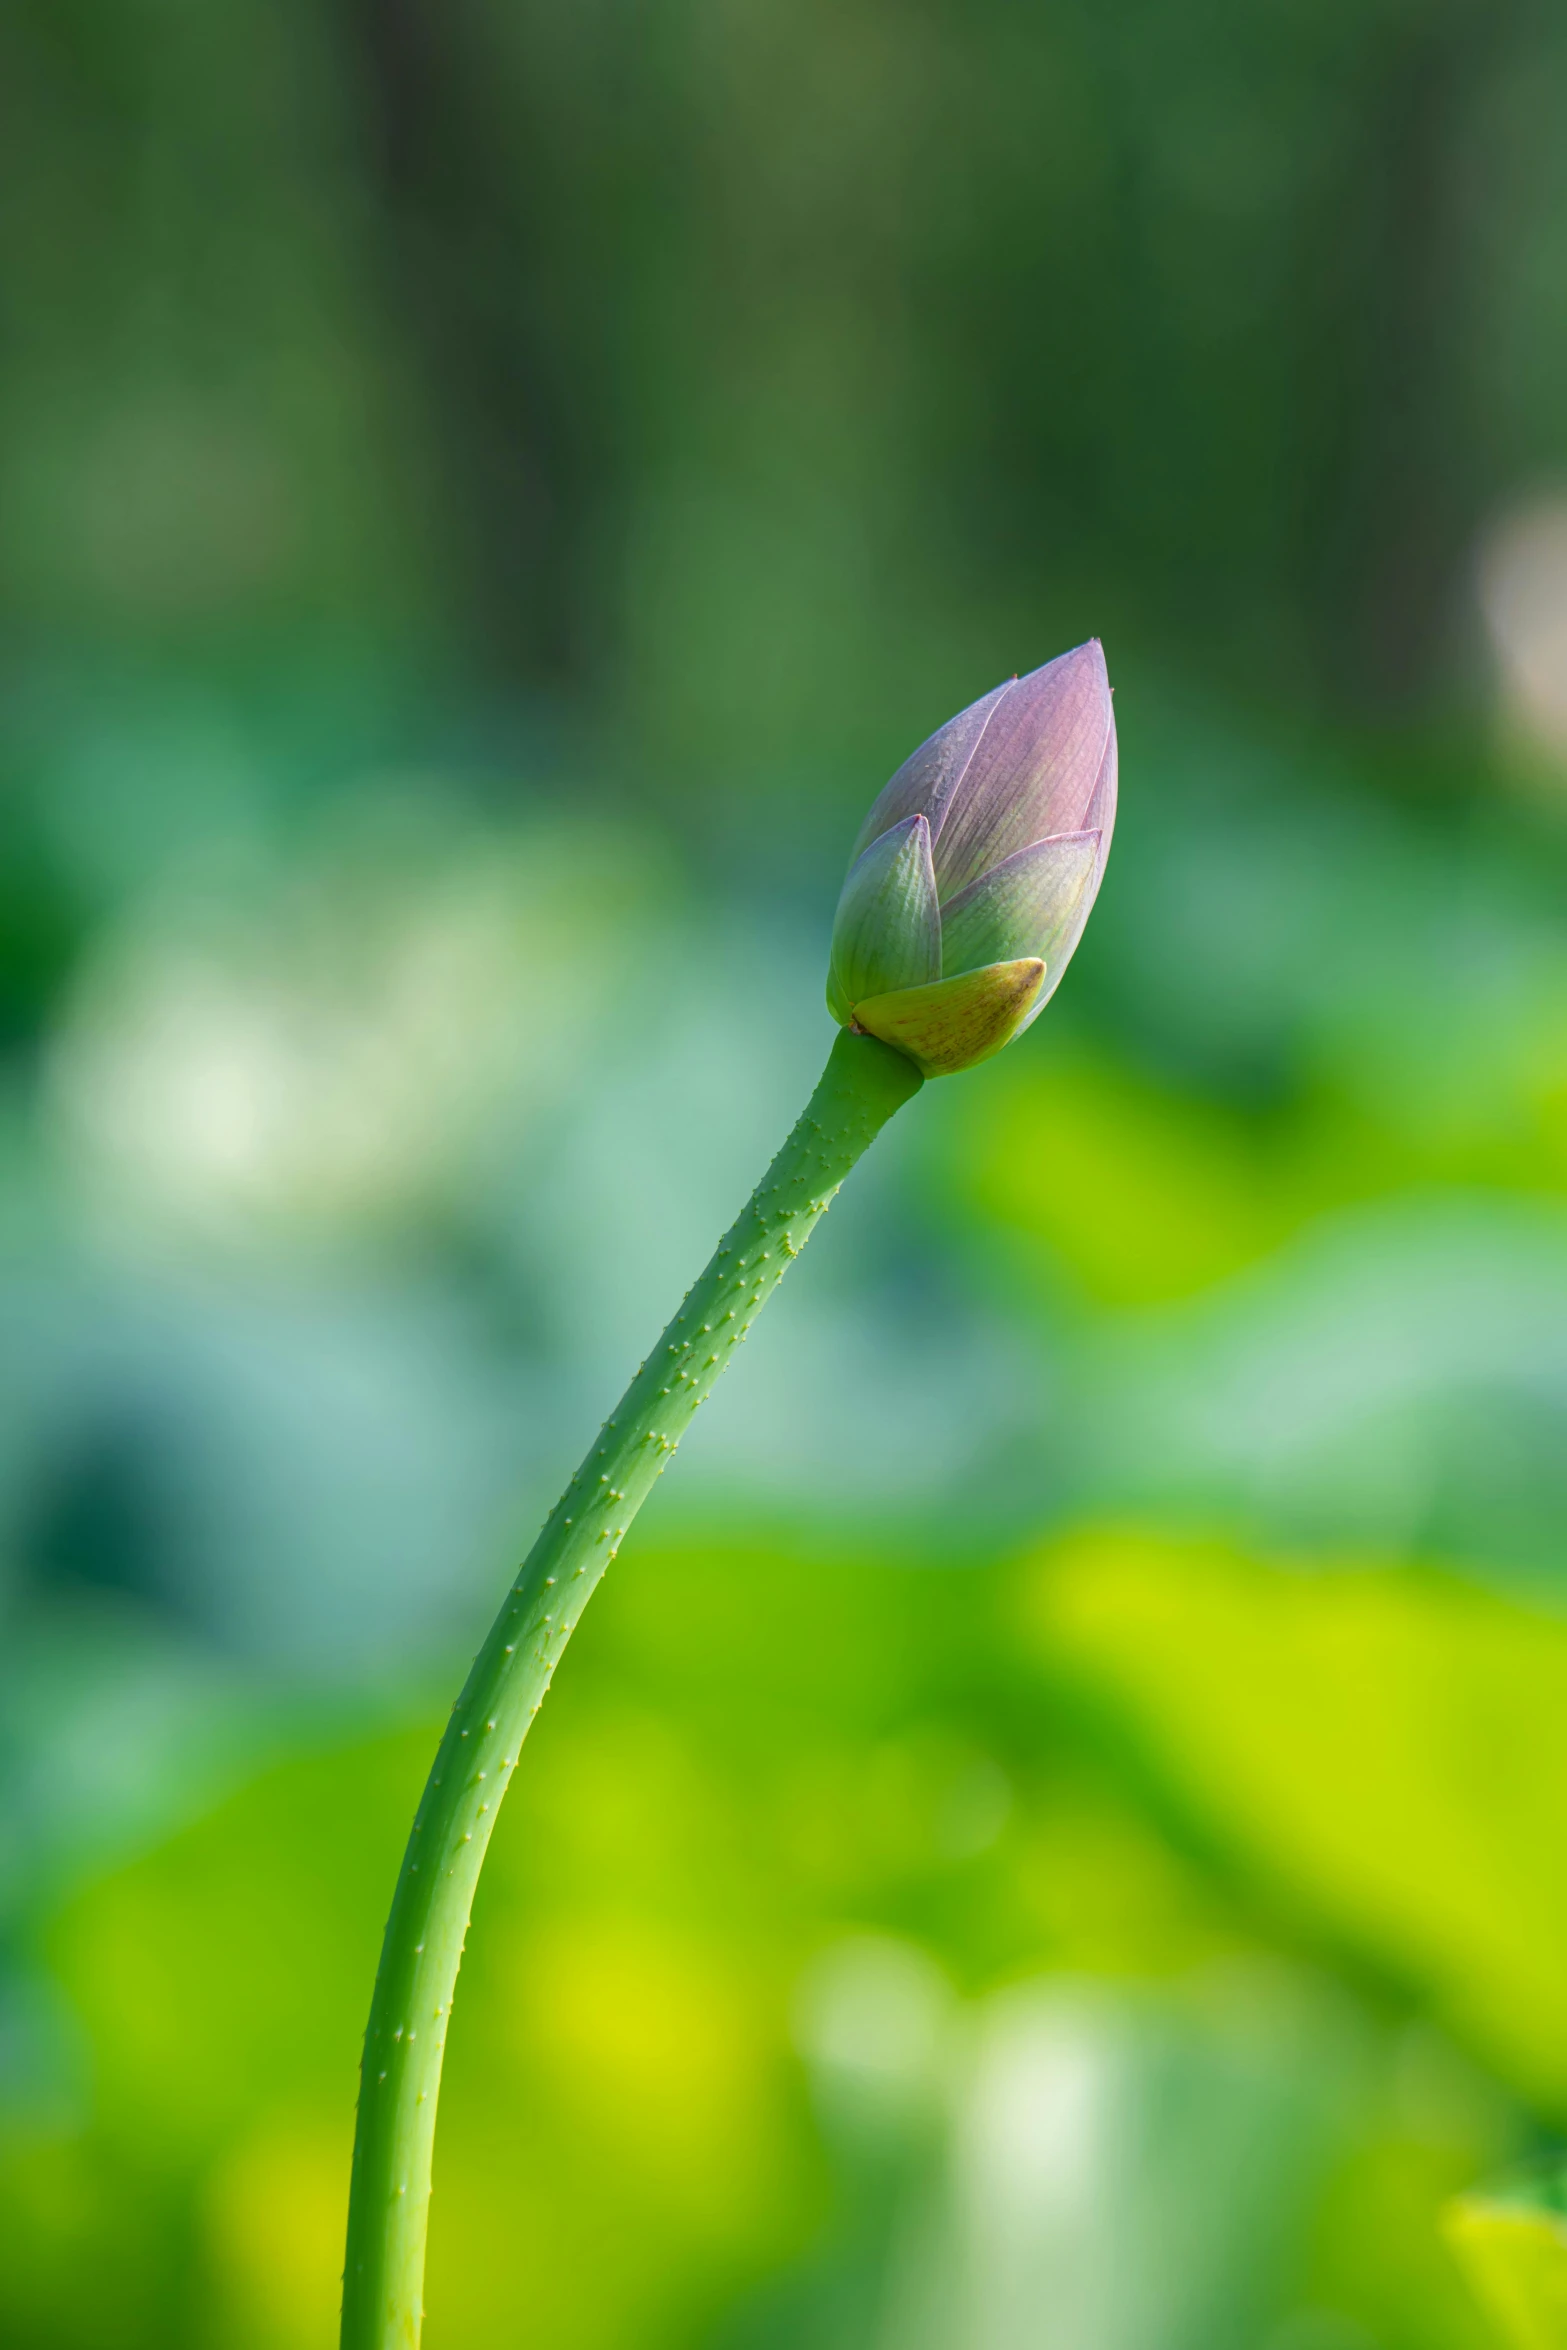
1085 662
1033 771
887 931
1028 752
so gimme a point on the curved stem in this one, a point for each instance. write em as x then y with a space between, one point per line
863 1084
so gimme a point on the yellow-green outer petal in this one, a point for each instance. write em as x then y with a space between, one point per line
953 1023
1514 2254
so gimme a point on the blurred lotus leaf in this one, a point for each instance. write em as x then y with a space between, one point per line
1512 2245
839 1995
1386 1749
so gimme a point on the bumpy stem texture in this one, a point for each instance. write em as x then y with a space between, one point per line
863 1084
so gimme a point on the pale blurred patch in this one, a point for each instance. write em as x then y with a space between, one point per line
1523 595
267 1055
1085 2168
875 2019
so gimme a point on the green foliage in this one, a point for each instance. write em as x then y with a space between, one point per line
1282 1815
1513 2247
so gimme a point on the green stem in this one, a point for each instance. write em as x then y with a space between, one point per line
863 1084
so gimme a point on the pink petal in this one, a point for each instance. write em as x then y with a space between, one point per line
1037 762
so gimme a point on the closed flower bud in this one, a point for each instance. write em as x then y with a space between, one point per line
975 871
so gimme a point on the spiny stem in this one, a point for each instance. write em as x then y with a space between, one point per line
863 1084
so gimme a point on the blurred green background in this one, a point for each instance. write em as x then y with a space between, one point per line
1052 1836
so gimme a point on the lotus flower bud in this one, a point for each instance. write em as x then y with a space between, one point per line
975 871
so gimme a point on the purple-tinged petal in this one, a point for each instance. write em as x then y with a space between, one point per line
925 782
1100 816
1032 772
887 933
1066 944
1026 906
956 1022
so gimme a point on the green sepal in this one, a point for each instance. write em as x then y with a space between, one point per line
887 932
952 1023
1511 2244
